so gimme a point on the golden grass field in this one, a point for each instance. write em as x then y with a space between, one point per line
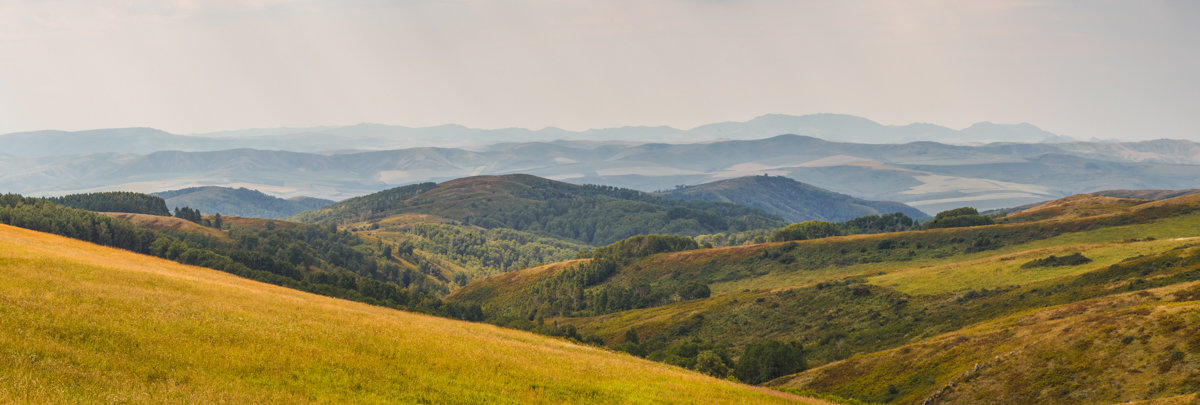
81 323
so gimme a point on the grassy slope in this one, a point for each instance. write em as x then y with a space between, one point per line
1125 347
901 300
507 287
736 269
80 322
161 223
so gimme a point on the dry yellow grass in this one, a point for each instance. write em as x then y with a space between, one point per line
157 222
85 323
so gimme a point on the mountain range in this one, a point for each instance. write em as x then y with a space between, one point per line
846 128
927 175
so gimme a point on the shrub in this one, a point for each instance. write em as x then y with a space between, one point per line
1054 261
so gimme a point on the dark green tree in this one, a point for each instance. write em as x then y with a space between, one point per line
958 217
711 363
806 230
765 360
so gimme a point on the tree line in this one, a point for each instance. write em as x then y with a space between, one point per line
311 258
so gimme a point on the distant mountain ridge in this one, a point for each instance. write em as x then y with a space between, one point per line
240 202
792 200
926 175
839 127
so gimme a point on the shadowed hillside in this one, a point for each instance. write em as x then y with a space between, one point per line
791 200
588 214
240 202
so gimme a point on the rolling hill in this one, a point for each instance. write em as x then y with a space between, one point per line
789 199
927 175
588 214
861 304
1115 349
240 202
84 323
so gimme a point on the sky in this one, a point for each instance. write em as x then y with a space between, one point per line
1086 69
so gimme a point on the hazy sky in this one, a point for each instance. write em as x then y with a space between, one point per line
1107 69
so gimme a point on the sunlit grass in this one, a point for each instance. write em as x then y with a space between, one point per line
1125 347
1163 230
83 323
1004 270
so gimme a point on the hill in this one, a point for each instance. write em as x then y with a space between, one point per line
588 214
162 223
240 202
789 199
1115 349
855 295
85 323
1147 194
927 175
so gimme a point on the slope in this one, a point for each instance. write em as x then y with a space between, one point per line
1147 194
240 202
84 323
789 199
851 295
161 223
1120 348
588 214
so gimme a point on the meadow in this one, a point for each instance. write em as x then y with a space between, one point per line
81 323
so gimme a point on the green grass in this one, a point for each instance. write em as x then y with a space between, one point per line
1125 347
1005 270
924 274
84 323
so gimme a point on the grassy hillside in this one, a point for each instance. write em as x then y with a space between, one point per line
84 323
594 215
854 295
789 199
1147 194
312 258
240 202
1126 347
163 223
